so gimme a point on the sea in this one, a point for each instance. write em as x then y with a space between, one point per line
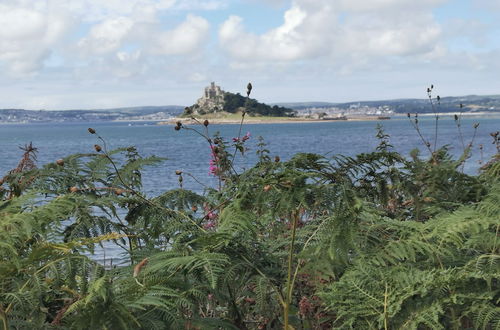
187 151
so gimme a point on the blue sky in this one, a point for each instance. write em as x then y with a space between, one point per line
58 54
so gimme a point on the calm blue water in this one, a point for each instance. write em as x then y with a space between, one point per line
188 152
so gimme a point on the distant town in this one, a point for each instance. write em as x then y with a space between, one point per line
123 114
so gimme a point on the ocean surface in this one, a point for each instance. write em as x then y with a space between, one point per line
185 150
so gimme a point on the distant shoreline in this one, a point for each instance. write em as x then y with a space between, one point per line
263 120
286 120
267 120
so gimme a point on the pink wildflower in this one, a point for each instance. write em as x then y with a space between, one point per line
246 137
209 225
213 169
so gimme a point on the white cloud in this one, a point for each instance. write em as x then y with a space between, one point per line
406 34
390 5
33 30
106 36
186 38
316 28
200 4
99 10
291 41
28 35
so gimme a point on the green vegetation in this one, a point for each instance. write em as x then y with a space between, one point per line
236 102
376 241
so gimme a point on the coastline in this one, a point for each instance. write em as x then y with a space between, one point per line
262 120
286 120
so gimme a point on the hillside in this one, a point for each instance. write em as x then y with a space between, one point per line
471 103
124 114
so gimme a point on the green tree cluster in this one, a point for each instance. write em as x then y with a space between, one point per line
235 102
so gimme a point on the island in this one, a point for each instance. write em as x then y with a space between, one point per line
227 108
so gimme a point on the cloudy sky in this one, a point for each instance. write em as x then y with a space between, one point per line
60 54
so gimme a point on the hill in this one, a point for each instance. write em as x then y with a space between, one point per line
471 103
214 100
124 114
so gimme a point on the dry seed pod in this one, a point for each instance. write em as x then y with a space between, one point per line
205 123
97 148
178 172
140 266
119 191
91 130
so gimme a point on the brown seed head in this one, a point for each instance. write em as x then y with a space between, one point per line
177 128
205 123
194 208
277 159
178 172
60 162
97 148
249 300
140 266
91 130
476 125
119 191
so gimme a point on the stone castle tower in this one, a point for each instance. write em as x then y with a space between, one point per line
212 99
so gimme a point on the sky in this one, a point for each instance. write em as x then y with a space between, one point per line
94 54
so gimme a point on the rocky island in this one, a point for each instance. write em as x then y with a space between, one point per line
217 103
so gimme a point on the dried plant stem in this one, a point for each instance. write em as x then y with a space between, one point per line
436 121
417 128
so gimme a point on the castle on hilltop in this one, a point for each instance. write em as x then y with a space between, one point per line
212 99
219 103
